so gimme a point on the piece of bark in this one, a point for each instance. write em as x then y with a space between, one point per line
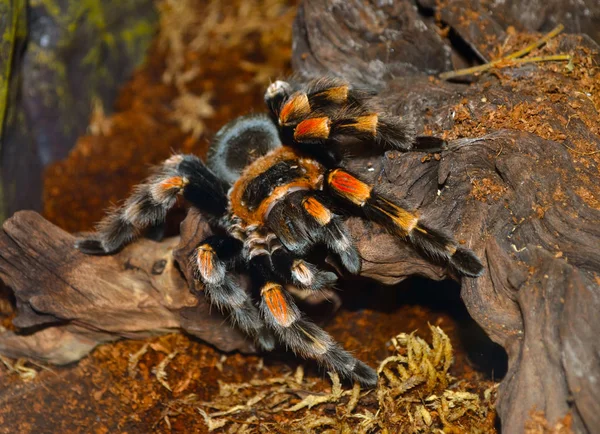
68 302
376 42
382 39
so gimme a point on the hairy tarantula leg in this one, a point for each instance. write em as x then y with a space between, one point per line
431 242
291 103
334 232
430 144
209 263
184 175
351 124
299 272
301 221
276 94
331 110
306 338
280 313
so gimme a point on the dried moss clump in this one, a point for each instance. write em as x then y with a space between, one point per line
415 394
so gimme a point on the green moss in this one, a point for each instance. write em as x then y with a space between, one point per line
13 28
79 50
92 11
137 36
52 7
97 19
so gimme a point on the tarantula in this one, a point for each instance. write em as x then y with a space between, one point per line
274 187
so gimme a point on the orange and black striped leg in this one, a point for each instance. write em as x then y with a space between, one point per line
432 243
211 262
337 238
299 272
307 339
333 231
332 110
338 130
302 220
147 207
291 102
325 115
281 314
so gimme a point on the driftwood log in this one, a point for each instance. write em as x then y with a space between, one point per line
520 195
74 301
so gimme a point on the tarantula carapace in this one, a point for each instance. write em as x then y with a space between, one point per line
274 187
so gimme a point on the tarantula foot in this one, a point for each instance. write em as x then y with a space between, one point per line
365 375
308 276
91 246
429 144
466 263
276 93
348 367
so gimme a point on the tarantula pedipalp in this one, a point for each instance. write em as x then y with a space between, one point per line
274 188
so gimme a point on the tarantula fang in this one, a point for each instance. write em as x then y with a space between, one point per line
274 187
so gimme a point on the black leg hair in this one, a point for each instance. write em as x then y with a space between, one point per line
305 338
148 204
240 142
326 115
297 332
210 263
324 95
332 229
300 273
433 243
277 93
337 239
302 220
430 144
